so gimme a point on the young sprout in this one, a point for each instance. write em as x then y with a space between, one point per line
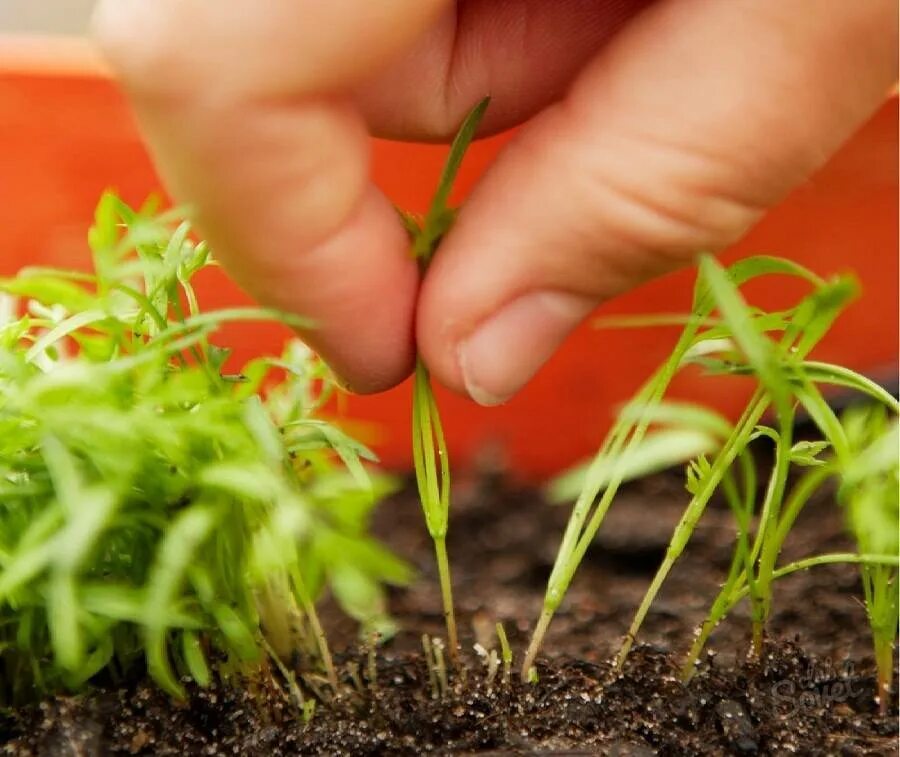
735 342
752 573
870 493
433 648
155 509
429 448
372 661
491 662
506 654
618 451
786 380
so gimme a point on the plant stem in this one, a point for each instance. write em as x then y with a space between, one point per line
775 538
831 558
719 609
577 537
537 638
695 508
505 651
884 665
433 480
429 662
429 448
288 675
309 608
736 576
443 566
766 543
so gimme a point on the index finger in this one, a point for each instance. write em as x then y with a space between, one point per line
244 109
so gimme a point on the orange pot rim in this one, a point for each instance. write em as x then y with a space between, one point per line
56 55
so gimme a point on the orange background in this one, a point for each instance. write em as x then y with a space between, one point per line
66 135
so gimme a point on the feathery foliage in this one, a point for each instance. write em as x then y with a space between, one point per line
155 510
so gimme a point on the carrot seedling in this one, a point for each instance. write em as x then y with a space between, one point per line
430 458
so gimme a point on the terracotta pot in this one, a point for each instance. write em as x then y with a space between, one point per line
66 134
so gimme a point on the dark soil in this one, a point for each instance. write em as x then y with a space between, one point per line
811 694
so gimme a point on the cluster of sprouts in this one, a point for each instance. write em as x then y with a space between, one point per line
156 509
726 336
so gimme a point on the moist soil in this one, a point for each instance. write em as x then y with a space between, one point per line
812 692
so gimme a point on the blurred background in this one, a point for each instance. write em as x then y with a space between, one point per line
45 16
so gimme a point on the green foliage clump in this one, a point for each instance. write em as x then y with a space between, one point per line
155 510
726 336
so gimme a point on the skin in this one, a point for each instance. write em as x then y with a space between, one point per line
652 130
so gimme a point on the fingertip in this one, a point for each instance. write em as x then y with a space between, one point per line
360 286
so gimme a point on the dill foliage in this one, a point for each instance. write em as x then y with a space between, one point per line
154 510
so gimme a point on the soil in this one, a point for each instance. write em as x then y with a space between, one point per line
811 693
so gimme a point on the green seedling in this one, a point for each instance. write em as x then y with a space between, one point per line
736 341
506 654
430 458
870 493
433 650
155 509
786 381
753 567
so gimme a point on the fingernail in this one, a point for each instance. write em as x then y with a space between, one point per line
505 351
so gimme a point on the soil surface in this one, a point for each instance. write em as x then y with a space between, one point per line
812 693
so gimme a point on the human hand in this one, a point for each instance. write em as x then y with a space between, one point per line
655 130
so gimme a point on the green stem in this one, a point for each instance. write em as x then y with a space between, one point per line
736 442
443 566
537 638
506 654
766 544
728 599
309 608
800 495
829 559
884 666
624 435
719 610
738 571
648 600
433 480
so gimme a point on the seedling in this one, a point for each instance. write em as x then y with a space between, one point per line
753 569
433 651
788 381
155 509
735 342
429 448
870 493
506 654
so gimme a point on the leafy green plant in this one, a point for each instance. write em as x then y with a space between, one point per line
155 509
771 347
430 459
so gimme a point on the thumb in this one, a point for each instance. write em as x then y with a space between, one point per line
675 139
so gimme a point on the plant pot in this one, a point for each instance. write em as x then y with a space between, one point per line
66 134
